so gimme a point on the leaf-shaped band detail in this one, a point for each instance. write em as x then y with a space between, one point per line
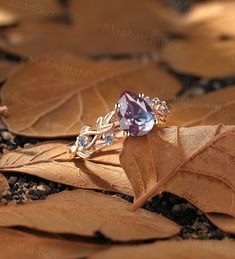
108 130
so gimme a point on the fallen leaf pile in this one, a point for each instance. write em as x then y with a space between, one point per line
63 64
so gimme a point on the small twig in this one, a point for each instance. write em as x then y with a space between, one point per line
4 111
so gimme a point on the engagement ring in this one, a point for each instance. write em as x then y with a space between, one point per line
133 115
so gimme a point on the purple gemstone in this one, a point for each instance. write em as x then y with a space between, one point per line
134 114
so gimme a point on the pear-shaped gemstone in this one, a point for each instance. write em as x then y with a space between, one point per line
135 114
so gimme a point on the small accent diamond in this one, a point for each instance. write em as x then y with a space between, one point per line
83 141
109 139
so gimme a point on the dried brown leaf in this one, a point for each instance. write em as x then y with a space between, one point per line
84 213
33 38
225 222
213 19
193 249
196 163
140 27
4 111
50 161
3 184
211 58
32 9
76 93
98 28
208 40
7 18
16 244
6 68
210 109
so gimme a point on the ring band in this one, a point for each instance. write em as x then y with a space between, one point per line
133 115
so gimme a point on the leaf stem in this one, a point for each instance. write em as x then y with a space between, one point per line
142 199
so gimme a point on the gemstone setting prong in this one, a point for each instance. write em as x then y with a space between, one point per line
126 133
117 106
